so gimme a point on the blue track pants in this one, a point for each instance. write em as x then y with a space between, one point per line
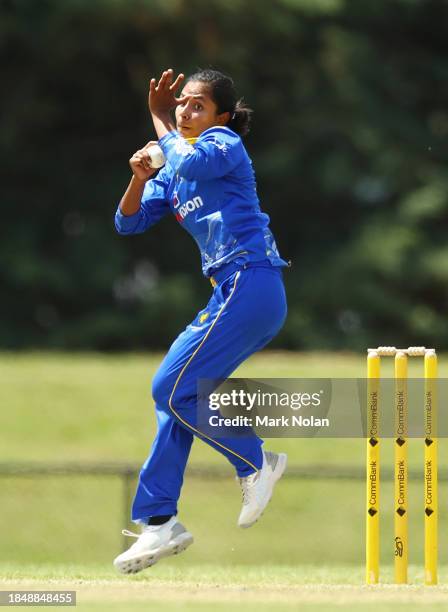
246 310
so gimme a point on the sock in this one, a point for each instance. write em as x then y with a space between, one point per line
159 520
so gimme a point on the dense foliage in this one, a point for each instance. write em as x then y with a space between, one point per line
348 141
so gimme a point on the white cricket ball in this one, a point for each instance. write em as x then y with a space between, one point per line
156 156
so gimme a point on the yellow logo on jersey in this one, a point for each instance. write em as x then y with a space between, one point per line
204 317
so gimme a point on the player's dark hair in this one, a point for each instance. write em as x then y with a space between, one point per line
223 93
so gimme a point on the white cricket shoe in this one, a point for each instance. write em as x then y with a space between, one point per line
258 487
153 543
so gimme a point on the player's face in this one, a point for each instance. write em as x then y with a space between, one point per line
198 112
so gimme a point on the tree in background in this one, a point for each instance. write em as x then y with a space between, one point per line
349 143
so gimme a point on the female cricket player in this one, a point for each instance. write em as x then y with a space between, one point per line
208 184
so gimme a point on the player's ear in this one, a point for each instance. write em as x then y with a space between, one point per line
223 118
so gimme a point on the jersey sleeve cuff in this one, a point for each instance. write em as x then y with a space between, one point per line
126 223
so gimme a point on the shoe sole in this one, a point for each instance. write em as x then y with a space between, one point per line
142 561
277 474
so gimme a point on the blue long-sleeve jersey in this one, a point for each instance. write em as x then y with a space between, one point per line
210 188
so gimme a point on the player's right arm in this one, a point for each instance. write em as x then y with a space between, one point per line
144 201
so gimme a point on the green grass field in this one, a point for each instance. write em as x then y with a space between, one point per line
64 530
205 587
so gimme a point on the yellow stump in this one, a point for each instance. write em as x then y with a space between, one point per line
431 485
401 469
373 470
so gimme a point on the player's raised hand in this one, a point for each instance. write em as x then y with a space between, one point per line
162 95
